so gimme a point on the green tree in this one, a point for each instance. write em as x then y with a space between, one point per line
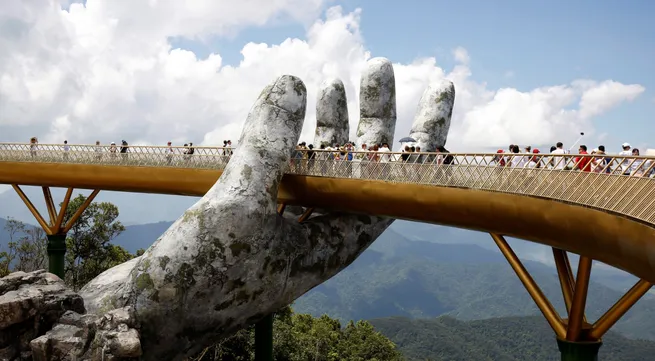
31 248
26 248
88 243
301 337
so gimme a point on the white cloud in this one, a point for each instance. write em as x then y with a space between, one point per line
461 55
107 72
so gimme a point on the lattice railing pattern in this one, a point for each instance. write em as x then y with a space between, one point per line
624 185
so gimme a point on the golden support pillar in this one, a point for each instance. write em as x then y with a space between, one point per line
57 225
577 340
531 286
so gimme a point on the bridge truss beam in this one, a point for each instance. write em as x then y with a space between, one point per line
57 225
577 340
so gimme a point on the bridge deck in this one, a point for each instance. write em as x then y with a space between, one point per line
607 216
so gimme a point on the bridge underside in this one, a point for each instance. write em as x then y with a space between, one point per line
610 238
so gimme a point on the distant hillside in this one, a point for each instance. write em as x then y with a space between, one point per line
141 235
397 277
497 339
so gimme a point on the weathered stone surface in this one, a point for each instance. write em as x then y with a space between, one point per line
30 303
432 120
332 125
377 98
90 337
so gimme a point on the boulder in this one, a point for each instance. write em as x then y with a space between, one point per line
90 337
42 320
30 304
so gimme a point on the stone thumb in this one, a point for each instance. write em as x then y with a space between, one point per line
269 136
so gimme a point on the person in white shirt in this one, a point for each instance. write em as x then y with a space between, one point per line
625 163
385 158
67 149
98 150
517 161
558 161
638 168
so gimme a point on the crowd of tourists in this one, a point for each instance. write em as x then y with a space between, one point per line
596 160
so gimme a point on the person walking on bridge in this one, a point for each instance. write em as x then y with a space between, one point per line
583 163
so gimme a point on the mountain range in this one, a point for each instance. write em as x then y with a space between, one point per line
496 339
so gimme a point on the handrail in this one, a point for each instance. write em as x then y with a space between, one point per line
620 184
156 149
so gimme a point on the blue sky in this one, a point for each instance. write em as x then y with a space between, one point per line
538 42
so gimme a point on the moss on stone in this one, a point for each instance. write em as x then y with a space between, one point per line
278 266
372 91
145 264
238 247
299 87
183 279
144 282
107 304
234 284
163 261
445 95
246 172
195 214
242 297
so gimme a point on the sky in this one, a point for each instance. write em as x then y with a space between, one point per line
149 71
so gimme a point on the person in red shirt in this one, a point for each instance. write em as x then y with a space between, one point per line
499 159
583 163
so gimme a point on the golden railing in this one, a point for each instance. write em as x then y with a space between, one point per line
623 185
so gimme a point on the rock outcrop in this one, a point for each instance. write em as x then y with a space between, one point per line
111 336
30 304
42 320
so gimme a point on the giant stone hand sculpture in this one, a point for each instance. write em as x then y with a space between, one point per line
231 259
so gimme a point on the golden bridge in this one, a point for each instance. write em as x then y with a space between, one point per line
606 215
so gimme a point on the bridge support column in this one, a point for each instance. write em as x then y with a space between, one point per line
578 351
58 226
57 254
264 339
577 340
264 328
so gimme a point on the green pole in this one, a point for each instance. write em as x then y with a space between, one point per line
264 339
578 351
56 254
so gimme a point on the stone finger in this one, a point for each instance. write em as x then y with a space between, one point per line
331 114
377 103
432 119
